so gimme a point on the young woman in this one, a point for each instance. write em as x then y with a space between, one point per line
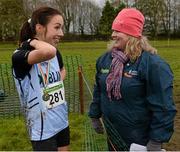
133 90
39 73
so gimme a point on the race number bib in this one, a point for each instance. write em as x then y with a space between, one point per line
53 95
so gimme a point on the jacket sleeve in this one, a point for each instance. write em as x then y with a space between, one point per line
95 109
160 100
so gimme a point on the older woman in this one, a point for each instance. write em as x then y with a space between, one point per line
133 89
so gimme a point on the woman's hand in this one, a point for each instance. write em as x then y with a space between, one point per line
153 146
97 125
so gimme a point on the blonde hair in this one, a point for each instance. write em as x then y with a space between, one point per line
135 46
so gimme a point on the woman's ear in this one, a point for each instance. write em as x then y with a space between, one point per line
39 29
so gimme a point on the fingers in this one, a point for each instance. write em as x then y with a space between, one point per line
97 125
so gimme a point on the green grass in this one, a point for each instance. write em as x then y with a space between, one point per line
14 137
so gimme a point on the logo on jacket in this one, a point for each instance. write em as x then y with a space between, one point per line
104 71
130 73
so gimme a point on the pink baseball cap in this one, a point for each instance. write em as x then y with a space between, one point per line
129 21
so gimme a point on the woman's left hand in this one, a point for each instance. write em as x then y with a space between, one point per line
154 146
97 125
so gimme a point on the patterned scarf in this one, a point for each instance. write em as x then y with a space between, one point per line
113 80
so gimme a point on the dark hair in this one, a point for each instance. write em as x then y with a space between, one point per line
40 16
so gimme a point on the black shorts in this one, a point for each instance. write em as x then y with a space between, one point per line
59 140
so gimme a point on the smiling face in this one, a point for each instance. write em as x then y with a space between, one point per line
53 31
120 40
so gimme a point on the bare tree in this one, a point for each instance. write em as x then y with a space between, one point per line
68 9
30 5
166 16
175 13
161 15
80 16
94 18
89 16
152 9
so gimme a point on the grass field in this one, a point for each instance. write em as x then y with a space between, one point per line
13 135
11 138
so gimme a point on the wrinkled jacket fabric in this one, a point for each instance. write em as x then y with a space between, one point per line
146 110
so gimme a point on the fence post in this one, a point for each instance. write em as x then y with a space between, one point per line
81 90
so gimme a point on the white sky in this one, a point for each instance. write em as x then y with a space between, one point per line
99 2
